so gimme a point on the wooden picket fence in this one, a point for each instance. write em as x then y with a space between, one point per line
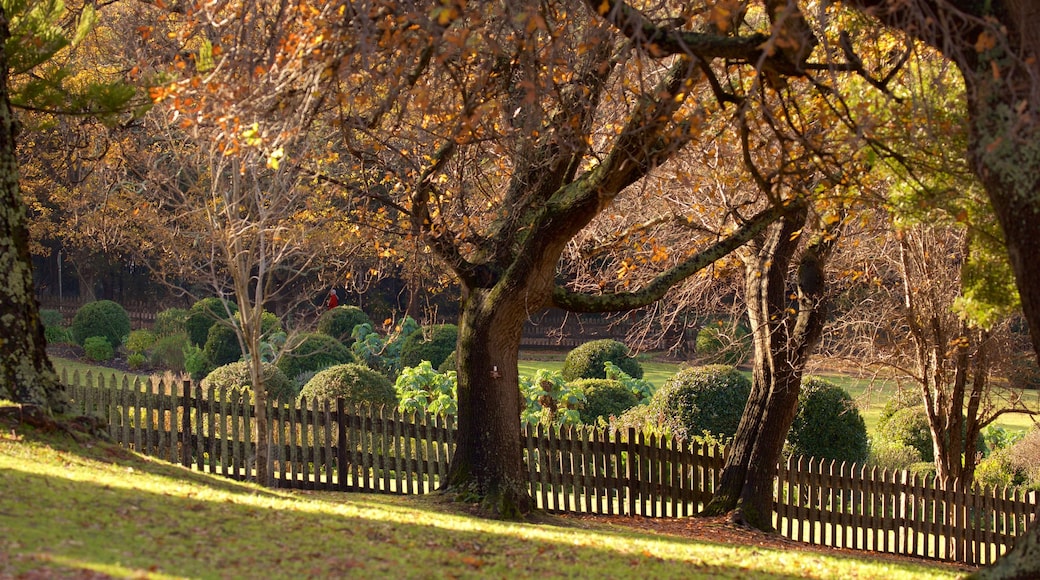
322 445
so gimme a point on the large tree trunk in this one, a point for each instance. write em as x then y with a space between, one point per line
488 461
26 374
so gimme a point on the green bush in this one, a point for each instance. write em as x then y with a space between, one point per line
603 398
892 455
102 318
828 425
355 383
313 352
908 426
339 322
722 343
221 347
98 348
698 400
449 363
433 343
57 334
902 399
136 360
195 363
170 322
50 317
168 352
140 341
204 314
587 361
236 375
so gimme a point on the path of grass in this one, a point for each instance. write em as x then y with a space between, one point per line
72 511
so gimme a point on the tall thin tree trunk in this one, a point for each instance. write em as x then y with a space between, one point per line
26 374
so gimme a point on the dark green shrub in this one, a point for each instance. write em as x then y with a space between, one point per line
586 361
222 346
449 364
195 362
204 314
702 399
168 352
603 398
50 317
136 360
908 426
57 334
139 341
339 322
170 322
432 343
902 399
102 318
98 348
313 352
722 343
355 383
828 424
236 376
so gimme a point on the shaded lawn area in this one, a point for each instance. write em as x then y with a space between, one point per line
89 509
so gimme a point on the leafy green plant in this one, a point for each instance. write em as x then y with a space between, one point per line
98 348
51 317
432 344
549 400
136 361
168 352
641 388
421 389
587 361
194 361
102 318
355 383
339 322
828 424
604 398
170 322
139 341
57 334
313 352
723 342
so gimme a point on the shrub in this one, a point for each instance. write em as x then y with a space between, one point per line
433 344
136 360
423 390
168 352
698 400
909 427
195 363
587 361
355 383
57 334
313 352
50 317
204 314
902 399
449 363
236 375
221 347
828 425
339 322
139 341
603 398
170 322
102 318
98 348
892 455
723 343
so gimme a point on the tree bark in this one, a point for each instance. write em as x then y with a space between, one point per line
26 374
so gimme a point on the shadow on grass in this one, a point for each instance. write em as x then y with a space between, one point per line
129 516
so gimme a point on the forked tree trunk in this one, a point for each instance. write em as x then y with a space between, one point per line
26 374
488 461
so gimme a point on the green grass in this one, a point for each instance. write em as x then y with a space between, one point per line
70 510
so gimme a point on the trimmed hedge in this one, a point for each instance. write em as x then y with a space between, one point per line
355 383
828 424
339 322
236 376
702 399
102 318
433 343
221 347
98 348
313 352
603 398
204 314
586 361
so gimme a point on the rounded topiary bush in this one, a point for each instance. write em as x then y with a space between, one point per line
313 352
170 322
449 364
98 348
236 375
102 318
432 343
355 383
908 427
603 398
828 424
221 346
339 322
719 343
204 314
586 361
702 399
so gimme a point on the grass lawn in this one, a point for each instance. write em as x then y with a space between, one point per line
74 510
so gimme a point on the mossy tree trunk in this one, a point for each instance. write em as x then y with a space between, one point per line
26 374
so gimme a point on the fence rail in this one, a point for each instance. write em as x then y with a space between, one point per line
322 445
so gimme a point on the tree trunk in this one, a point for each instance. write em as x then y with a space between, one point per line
26 374
488 461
